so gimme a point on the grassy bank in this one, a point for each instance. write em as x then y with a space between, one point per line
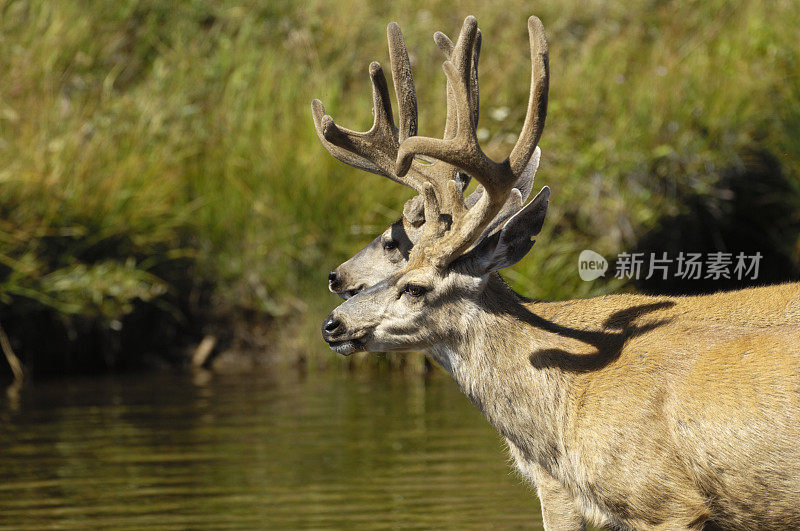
161 178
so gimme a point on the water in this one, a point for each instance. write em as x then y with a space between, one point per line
274 451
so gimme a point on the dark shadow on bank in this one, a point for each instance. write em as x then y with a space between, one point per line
753 208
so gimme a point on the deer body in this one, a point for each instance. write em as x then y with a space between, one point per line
626 405
630 411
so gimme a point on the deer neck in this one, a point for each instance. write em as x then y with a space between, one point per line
489 357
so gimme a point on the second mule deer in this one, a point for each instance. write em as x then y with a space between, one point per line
636 412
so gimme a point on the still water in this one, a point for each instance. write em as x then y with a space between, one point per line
255 451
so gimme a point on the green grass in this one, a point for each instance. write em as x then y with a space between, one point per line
162 155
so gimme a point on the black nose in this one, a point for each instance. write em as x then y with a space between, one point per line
333 280
331 326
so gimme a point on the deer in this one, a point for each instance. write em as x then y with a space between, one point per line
627 411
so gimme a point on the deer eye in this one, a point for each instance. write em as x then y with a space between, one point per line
389 245
415 290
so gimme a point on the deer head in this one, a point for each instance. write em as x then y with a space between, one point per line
370 151
459 245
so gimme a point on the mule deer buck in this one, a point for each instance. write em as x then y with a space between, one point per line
635 412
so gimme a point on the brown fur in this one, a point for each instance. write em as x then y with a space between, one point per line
648 412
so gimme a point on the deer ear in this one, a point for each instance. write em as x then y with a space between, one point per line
515 239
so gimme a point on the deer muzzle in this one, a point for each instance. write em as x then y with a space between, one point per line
339 339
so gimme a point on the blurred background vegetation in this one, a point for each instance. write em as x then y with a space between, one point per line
162 181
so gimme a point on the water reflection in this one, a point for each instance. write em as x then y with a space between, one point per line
176 450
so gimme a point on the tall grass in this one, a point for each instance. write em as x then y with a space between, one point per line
161 157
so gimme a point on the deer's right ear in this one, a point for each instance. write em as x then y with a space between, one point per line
515 239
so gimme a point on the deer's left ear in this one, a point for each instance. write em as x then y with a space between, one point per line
511 243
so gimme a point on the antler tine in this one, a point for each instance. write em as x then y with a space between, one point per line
403 82
355 145
322 124
537 101
375 150
442 171
449 50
